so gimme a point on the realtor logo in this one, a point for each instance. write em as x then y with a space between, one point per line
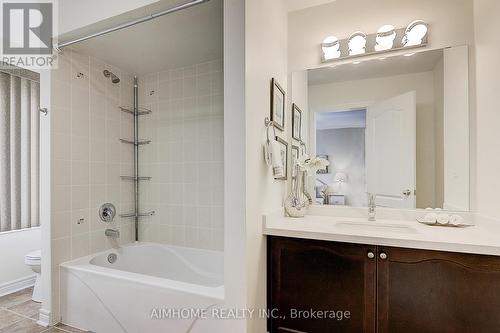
27 28
27 33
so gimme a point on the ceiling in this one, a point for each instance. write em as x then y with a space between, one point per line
180 39
294 5
390 66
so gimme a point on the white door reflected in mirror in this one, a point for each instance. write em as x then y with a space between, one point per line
391 127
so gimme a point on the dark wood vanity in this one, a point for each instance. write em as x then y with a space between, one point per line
368 288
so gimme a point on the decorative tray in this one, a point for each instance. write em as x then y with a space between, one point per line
435 223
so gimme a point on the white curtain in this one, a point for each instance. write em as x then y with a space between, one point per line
19 152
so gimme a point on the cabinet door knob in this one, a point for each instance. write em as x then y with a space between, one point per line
371 255
383 256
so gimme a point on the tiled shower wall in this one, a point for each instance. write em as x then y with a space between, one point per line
185 157
87 158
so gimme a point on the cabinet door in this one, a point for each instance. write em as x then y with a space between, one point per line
308 276
429 291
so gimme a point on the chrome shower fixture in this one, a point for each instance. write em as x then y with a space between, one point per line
114 78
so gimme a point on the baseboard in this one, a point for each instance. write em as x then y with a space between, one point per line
43 318
16 285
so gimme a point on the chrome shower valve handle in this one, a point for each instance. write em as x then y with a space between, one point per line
107 212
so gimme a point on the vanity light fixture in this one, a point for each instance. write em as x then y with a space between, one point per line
385 38
331 48
415 33
357 43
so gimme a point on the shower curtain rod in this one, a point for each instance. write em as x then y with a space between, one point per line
131 23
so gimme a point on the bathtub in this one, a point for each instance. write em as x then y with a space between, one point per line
134 292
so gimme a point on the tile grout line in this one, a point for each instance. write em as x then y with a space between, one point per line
16 321
23 317
19 314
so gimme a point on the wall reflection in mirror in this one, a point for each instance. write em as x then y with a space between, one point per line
393 127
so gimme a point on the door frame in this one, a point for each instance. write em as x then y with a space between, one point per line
311 150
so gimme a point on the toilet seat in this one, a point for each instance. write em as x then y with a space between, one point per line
33 258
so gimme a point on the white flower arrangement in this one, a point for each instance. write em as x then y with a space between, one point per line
312 165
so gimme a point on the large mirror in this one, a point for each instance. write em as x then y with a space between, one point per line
393 127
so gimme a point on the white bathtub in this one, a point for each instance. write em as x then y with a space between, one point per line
120 297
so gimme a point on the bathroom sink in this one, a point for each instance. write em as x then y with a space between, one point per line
375 227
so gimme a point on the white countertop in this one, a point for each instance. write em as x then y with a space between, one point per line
390 229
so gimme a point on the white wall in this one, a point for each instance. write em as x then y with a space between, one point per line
450 21
438 131
456 124
362 93
487 53
14 245
235 180
346 149
266 57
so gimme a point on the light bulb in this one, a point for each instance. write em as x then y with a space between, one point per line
385 38
331 48
357 43
415 33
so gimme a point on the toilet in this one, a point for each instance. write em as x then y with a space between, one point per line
33 260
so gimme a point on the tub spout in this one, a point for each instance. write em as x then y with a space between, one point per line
112 233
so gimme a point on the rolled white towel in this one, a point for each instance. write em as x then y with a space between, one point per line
431 217
456 220
278 167
443 219
267 153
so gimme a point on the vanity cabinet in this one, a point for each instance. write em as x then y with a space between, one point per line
384 289
432 291
309 276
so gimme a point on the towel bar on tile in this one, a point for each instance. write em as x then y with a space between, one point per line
140 142
130 109
134 178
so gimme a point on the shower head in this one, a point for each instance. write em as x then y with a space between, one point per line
114 78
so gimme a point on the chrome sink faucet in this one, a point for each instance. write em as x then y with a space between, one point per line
113 233
371 207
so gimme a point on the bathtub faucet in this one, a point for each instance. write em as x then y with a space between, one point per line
112 233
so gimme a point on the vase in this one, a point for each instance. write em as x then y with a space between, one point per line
296 203
305 193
